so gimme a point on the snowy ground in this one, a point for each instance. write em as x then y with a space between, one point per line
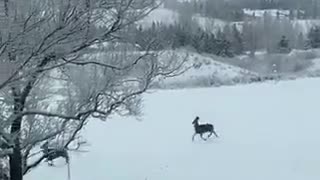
268 131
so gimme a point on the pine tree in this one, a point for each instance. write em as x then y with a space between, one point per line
314 37
237 40
283 45
222 45
300 43
249 37
197 39
208 44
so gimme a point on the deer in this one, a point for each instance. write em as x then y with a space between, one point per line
203 128
53 153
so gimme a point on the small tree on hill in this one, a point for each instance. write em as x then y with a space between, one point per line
237 40
314 37
283 45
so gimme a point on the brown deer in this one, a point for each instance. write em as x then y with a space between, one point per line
203 128
53 153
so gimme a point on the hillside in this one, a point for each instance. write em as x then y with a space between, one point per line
168 16
204 71
160 15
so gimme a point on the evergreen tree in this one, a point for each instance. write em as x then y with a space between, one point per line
197 39
283 45
209 43
222 45
291 14
314 37
237 40
250 37
300 43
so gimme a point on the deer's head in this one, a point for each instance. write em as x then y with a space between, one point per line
45 146
195 121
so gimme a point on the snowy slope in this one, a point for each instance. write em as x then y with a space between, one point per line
305 25
268 131
272 12
168 17
210 24
160 15
302 26
214 24
205 71
314 70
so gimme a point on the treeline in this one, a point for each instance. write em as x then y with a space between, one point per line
161 36
311 7
268 33
275 36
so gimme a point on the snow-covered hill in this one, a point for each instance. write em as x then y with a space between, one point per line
214 24
204 71
160 15
261 13
305 25
267 131
301 25
208 70
167 16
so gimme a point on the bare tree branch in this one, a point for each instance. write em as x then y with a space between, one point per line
51 44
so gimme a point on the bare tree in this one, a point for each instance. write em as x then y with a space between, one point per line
68 61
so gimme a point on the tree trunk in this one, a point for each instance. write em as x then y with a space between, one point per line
15 159
16 163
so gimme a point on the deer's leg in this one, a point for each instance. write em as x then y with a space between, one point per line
50 163
202 137
65 155
210 134
194 136
215 133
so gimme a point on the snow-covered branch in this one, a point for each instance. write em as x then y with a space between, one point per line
60 78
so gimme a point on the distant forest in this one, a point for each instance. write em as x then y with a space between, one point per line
241 33
233 9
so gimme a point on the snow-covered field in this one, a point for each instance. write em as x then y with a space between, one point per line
267 131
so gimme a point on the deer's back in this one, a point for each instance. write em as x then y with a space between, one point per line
53 154
204 128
